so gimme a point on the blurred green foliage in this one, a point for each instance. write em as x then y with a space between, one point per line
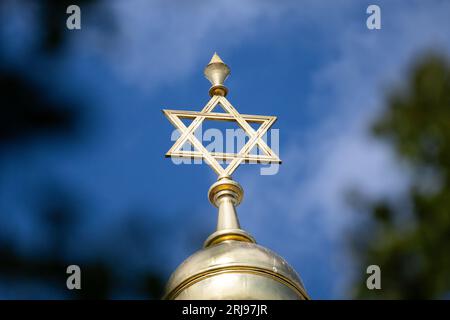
410 238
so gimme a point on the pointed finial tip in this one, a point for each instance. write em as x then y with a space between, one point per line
215 59
216 72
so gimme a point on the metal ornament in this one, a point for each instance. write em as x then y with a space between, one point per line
231 265
217 72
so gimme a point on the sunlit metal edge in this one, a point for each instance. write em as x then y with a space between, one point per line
217 116
235 269
223 156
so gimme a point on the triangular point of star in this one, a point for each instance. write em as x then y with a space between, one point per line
216 59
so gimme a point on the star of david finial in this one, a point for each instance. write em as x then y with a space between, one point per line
217 72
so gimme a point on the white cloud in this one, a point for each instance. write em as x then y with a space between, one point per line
160 42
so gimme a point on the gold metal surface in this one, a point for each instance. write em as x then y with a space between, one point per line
231 114
216 72
226 194
228 236
239 285
241 270
225 184
246 261
231 265
218 91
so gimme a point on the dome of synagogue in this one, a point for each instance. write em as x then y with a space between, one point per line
235 270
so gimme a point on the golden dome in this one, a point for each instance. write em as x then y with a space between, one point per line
232 266
235 270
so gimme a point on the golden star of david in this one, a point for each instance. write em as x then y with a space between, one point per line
231 114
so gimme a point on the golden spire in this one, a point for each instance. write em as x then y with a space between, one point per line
230 253
217 72
225 194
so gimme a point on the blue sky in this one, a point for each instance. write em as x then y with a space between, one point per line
313 64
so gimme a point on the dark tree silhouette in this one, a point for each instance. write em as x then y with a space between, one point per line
410 240
29 116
